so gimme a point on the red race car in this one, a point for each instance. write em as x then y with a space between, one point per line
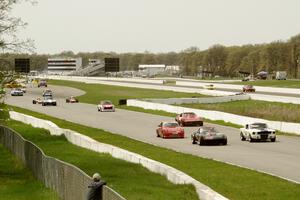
248 88
169 130
188 119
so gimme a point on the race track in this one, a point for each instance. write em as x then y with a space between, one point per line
281 158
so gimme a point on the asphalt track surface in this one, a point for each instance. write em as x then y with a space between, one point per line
281 158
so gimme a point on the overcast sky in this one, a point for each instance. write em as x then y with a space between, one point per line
155 25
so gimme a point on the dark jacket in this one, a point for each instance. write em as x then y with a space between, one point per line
95 190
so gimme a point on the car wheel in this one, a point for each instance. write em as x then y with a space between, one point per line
200 123
201 143
225 142
273 139
43 104
251 139
242 137
157 134
194 141
54 104
33 102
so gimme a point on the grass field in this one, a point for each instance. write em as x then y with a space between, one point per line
231 181
97 92
132 181
259 109
17 182
272 83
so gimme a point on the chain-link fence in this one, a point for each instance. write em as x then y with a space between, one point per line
68 181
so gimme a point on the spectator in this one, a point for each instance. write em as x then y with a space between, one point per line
95 188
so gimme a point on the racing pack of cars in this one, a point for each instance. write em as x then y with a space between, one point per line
204 135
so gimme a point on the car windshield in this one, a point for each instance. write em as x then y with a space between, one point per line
189 114
258 125
106 103
171 124
207 130
48 97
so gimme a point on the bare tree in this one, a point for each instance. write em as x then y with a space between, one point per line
9 27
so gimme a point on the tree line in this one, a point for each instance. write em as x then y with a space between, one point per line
217 60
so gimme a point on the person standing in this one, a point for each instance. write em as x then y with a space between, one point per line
95 188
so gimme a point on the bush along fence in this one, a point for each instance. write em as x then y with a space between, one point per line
68 181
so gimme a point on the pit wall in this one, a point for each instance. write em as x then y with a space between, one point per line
239 87
68 181
133 80
173 175
179 101
217 115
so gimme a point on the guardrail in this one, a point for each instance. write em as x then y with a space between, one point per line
68 181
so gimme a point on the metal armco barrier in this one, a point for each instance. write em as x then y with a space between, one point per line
68 181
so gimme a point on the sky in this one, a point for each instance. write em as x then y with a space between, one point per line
155 25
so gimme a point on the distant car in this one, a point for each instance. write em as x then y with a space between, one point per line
47 93
106 106
248 88
209 87
169 130
48 100
42 83
37 101
188 119
208 135
71 100
257 131
16 92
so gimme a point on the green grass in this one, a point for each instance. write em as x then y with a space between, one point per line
231 181
272 83
17 182
131 180
259 109
97 92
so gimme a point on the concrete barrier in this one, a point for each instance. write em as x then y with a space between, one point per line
217 115
239 87
173 175
179 101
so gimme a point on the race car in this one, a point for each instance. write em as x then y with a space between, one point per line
257 131
209 87
106 106
48 100
37 101
169 130
248 88
42 83
189 118
16 92
208 135
47 93
71 100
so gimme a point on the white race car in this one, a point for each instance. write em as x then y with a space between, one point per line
48 100
257 131
106 106
16 92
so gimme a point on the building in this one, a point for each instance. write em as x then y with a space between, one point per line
63 65
151 70
94 61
